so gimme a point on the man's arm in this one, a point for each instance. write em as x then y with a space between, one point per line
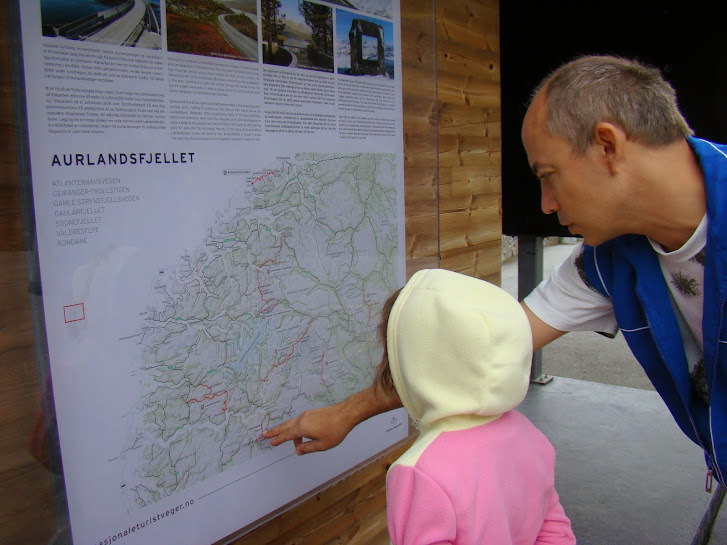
327 427
542 332
323 429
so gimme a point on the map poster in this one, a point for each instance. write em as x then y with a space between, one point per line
218 207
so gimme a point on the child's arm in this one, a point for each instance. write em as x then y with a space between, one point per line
556 528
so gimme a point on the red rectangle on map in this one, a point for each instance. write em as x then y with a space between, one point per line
74 313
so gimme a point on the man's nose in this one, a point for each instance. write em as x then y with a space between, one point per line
548 203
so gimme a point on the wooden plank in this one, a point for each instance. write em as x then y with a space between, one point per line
472 249
473 126
11 238
468 121
467 200
457 114
27 515
422 238
469 228
420 150
459 173
420 193
11 227
418 38
450 92
464 143
481 185
478 157
415 264
481 16
420 106
369 502
470 32
461 48
456 118
482 263
462 61
458 150
419 83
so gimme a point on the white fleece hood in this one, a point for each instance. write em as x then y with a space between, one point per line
457 346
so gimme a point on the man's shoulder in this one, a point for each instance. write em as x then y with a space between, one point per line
706 149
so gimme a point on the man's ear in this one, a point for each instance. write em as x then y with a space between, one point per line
610 140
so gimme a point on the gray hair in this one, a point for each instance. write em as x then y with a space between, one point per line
632 95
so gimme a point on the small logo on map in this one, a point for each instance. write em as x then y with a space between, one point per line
74 313
394 423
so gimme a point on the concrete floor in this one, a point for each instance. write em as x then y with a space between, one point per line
625 472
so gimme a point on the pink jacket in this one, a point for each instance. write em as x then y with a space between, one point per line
479 473
491 484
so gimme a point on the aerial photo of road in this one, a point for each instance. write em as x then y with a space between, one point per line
132 23
237 39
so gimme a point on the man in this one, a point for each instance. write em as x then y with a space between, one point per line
618 164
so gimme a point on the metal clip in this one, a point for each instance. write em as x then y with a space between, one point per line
708 482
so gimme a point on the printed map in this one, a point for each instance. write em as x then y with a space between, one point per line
276 312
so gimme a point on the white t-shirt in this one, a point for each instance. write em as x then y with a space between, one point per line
567 302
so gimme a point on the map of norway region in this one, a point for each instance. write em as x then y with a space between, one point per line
274 313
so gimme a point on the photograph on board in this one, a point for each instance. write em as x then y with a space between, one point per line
364 45
297 34
213 28
382 8
131 23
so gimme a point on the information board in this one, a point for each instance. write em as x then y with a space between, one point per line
218 209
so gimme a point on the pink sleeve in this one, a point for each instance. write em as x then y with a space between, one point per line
418 511
556 528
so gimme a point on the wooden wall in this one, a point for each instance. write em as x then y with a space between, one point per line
452 173
468 74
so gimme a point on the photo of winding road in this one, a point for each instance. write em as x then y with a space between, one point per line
131 23
213 28
297 34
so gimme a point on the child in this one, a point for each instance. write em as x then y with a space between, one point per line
457 353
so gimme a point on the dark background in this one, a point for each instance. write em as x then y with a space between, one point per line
688 44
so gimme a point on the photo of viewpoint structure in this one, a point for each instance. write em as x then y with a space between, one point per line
131 23
213 28
364 45
297 34
382 8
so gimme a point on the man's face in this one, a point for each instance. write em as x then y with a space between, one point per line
574 187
